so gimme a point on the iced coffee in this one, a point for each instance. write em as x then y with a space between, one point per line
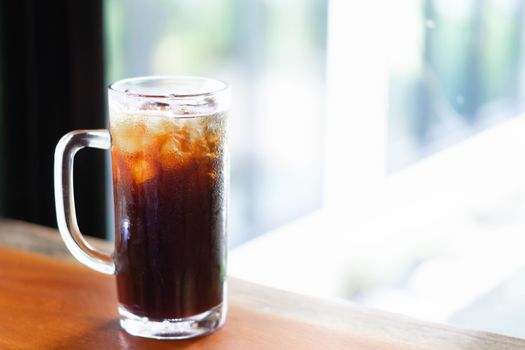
169 165
169 190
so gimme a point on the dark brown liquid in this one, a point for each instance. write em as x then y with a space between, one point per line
170 216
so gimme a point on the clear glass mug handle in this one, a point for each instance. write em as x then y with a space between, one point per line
65 152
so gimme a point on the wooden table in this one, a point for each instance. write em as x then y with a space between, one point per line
48 301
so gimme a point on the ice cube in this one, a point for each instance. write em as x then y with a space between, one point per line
142 170
170 154
128 135
195 108
141 133
155 106
158 126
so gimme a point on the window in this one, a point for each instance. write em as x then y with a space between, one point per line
412 177
423 187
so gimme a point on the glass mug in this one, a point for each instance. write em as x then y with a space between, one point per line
167 137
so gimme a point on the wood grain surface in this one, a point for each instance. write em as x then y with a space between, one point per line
49 304
48 301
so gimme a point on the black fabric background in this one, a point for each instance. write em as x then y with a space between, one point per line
51 82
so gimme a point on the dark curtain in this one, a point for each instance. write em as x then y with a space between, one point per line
51 82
